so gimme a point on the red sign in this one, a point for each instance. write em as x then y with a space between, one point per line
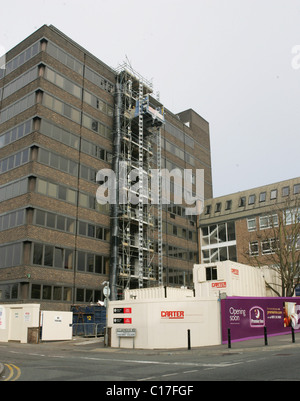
122 320
172 314
122 310
219 285
235 272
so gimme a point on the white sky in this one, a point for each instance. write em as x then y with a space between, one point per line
229 60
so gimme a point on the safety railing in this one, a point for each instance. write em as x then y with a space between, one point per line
88 329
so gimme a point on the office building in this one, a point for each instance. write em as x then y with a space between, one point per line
242 226
64 116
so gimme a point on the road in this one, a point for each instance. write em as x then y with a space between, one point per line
88 360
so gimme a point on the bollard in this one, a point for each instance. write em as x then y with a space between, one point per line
229 338
293 334
265 335
189 339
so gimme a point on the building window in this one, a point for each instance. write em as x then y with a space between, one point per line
296 189
242 201
228 205
251 200
262 196
208 209
218 207
269 246
253 248
273 194
285 191
251 224
211 273
268 221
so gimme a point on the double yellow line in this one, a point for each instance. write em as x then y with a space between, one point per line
14 372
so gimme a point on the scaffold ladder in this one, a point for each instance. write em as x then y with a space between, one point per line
159 224
141 180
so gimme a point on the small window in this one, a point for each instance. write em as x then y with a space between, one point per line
208 209
251 200
218 207
211 273
262 197
242 201
228 205
273 194
296 189
251 224
285 191
253 248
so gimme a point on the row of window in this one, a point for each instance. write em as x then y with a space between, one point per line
67 224
270 246
12 219
67 194
267 221
77 66
218 233
177 133
286 191
19 82
72 140
74 114
176 151
290 216
15 133
219 254
11 255
13 161
45 292
20 59
18 107
14 189
62 258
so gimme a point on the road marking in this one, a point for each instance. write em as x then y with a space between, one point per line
12 369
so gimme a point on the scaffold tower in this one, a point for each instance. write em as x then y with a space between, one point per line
136 222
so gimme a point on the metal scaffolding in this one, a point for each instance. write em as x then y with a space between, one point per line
136 223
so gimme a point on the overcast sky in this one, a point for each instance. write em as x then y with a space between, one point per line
229 60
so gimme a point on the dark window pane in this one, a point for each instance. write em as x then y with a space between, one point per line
80 295
40 217
91 230
60 225
48 258
57 293
14 291
37 254
47 292
58 261
99 264
50 220
68 259
90 262
81 261
35 291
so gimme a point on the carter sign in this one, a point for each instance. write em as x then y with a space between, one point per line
172 314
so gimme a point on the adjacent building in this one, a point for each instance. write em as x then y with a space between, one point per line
241 227
64 116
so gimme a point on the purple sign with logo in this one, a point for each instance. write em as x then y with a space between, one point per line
246 317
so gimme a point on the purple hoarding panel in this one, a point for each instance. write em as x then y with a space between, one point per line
246 317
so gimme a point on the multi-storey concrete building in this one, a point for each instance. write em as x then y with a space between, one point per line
60 117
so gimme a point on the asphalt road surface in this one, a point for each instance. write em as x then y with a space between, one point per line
154 372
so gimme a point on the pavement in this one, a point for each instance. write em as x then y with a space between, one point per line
280 342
